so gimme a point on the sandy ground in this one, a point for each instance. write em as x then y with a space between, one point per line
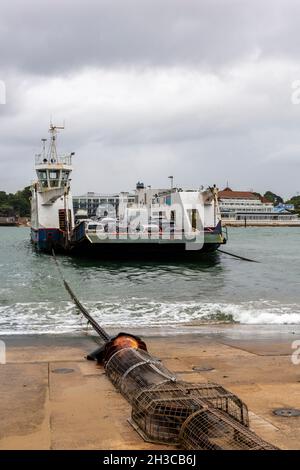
42 408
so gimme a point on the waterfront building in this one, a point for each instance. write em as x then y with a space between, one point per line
250 208
91 201
97 203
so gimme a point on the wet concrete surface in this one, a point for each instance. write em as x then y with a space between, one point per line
41 408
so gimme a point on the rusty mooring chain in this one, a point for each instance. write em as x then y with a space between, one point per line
101 332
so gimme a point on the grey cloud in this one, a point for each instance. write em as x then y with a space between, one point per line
243 129
46 37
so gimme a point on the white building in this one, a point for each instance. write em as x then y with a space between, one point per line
91 201
155 203
247 208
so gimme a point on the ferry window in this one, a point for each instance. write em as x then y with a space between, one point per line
54 178
42 175
53 175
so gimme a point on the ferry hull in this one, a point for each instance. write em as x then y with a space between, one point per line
44 239
141 251
87 243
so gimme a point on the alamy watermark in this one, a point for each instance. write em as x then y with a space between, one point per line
295 357
161 222
2 92
2 352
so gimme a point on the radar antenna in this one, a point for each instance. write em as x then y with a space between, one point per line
52 154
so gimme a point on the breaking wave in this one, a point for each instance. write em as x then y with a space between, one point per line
62 317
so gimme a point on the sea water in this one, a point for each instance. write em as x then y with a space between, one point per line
168 296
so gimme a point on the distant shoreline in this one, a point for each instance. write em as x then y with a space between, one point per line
22 222
241 223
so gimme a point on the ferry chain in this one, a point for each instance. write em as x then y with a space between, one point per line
101 332
238 257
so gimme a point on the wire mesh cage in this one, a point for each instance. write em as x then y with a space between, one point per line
212 429
158 412
221 399
132 370
166 410
161 420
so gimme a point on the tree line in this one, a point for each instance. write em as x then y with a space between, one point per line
272 197
17 204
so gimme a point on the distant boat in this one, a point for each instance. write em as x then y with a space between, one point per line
11 221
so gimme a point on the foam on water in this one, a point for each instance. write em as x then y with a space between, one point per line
62 317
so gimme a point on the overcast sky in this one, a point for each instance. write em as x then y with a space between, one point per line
198 89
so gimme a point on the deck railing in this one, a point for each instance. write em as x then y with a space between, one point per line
61 159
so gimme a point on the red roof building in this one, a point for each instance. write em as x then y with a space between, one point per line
247 207
228 193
